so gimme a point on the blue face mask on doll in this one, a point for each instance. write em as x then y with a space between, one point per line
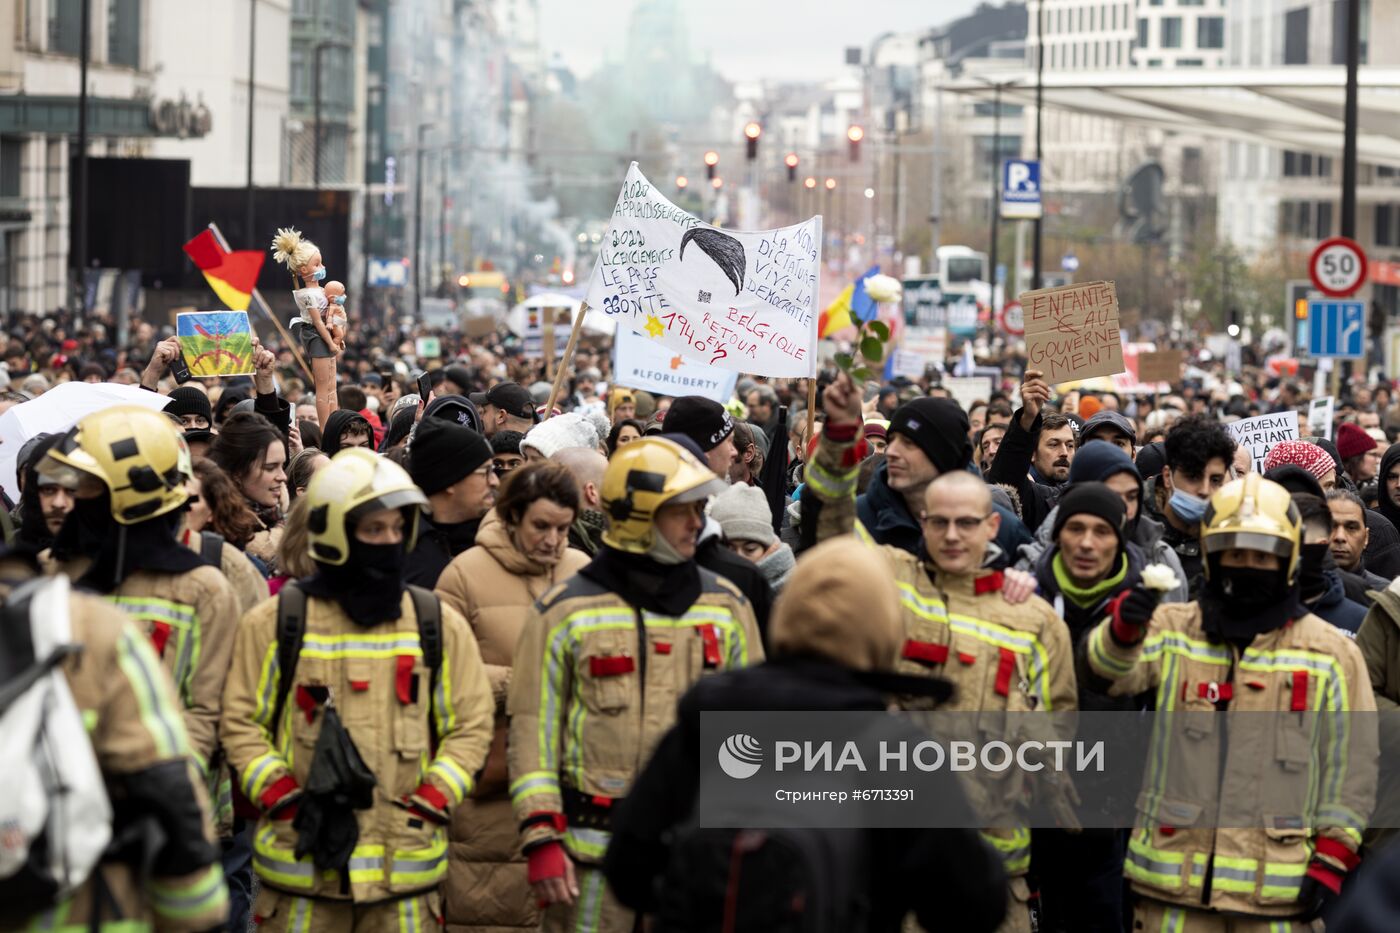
339 299
320 274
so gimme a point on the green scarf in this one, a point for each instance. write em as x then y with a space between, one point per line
1084 598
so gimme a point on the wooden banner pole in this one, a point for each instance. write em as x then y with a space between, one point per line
811 414
565 362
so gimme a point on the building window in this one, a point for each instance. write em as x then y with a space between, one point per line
1171 32
10 152
1295 36
1190 63
300 79
1210 32
1143 26
1385 223
1324 219
1191 158
1154 2
65 26
1154 63
1190 2
124 33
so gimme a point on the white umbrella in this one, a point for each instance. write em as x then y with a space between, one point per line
57 410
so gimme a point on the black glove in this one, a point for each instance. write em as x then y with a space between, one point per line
1130 612
1315 898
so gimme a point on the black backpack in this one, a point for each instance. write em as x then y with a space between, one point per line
291 626
804 880
211 548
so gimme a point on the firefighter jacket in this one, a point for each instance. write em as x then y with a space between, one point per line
595 688
142 747
190 618
1001 658
1309 775
424 737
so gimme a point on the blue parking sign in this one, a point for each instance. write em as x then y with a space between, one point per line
1337 329
1020 189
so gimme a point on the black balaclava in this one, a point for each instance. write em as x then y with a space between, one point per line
368 586
666 589
1315 570
1239 603
117 551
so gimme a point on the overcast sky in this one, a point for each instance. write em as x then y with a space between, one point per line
746 39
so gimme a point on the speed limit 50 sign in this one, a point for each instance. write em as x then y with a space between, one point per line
1337 267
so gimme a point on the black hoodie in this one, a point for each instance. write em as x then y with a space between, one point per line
337 424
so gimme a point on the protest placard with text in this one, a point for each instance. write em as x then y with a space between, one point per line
645 364
741 300
1262 432
1320 414
1072 331
1161 366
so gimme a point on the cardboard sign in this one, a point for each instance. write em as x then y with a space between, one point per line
1161 366
743 301
1320 414
1263 432
1072 331
479 327
645 364
216 343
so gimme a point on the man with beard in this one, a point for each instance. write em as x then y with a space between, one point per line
44 504
598 669
401 671
1035 455
1247 644
451 463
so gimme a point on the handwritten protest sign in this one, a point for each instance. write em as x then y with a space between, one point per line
1262 432
640 363
1320 416
743 301
1072 331
216 343
1161 366
967 389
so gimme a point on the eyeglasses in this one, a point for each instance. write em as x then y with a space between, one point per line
193 500
964 523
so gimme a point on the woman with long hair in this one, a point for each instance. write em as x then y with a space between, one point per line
218 525
300 470
293 556
624 432
521 553
250 450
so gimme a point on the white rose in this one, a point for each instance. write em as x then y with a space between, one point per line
1159 577
884 288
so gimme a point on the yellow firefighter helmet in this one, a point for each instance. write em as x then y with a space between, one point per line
353 484
1255 514
642 477
137 453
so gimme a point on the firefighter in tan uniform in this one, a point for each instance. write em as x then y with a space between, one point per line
1305 777
131 466
601 663
142 748
365 652
1001 654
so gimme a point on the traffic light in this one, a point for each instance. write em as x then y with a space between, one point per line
791 161
1300 309
810 183
751 133
711 160
682 181
855 134
831 184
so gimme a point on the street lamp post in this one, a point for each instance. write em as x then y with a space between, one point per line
1039 126
993 205
252 66
418 215
85 41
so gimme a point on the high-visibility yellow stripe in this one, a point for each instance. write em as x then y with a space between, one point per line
458 781
205 894
137 660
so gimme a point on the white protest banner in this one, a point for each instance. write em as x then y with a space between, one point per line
1320 414
744 301
1262 432
909 363
967 389
640 363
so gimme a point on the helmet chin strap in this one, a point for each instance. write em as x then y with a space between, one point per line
662 552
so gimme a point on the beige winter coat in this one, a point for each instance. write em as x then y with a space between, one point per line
494 585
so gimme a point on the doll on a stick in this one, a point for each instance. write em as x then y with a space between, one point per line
312 325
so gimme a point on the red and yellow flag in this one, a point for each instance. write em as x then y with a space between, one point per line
232 275
837 315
